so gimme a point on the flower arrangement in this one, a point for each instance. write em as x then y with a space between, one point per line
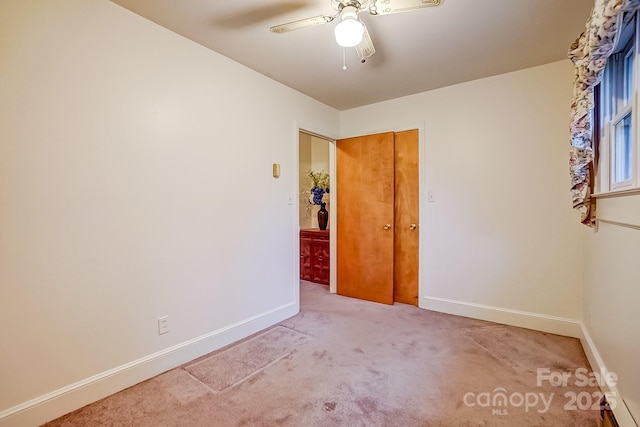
319 187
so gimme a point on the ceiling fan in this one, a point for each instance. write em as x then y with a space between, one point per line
351 31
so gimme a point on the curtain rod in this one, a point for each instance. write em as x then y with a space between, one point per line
620 224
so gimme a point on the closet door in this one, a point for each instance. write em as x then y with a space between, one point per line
365 217
406 218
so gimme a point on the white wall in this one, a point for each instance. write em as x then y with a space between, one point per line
612 287
132 163
501 240
314 155
319 154
304 164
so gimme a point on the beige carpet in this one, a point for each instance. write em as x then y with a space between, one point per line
345 362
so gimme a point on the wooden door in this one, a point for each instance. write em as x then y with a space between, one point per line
365 209
405 280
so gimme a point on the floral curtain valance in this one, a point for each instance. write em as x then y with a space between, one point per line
589 54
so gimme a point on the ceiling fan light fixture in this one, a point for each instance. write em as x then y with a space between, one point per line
349 31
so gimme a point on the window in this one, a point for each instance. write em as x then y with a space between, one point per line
622 152
617 115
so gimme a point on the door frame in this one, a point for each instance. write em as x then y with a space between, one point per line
422 196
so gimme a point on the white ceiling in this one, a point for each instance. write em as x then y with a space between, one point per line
416 51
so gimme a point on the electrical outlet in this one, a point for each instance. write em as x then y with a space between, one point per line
163 325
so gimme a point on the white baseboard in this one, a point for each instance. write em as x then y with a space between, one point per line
620 411
523 319
62 401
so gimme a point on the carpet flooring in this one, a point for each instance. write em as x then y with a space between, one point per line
346 362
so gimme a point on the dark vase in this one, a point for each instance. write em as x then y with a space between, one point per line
323 217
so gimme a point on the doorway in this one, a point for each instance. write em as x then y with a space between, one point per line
316 160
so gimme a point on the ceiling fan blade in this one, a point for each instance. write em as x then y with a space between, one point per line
295 25
395 6
365 49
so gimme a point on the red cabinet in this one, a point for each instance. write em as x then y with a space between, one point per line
314 255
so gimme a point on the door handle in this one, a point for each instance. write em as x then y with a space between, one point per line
387 226
412 227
